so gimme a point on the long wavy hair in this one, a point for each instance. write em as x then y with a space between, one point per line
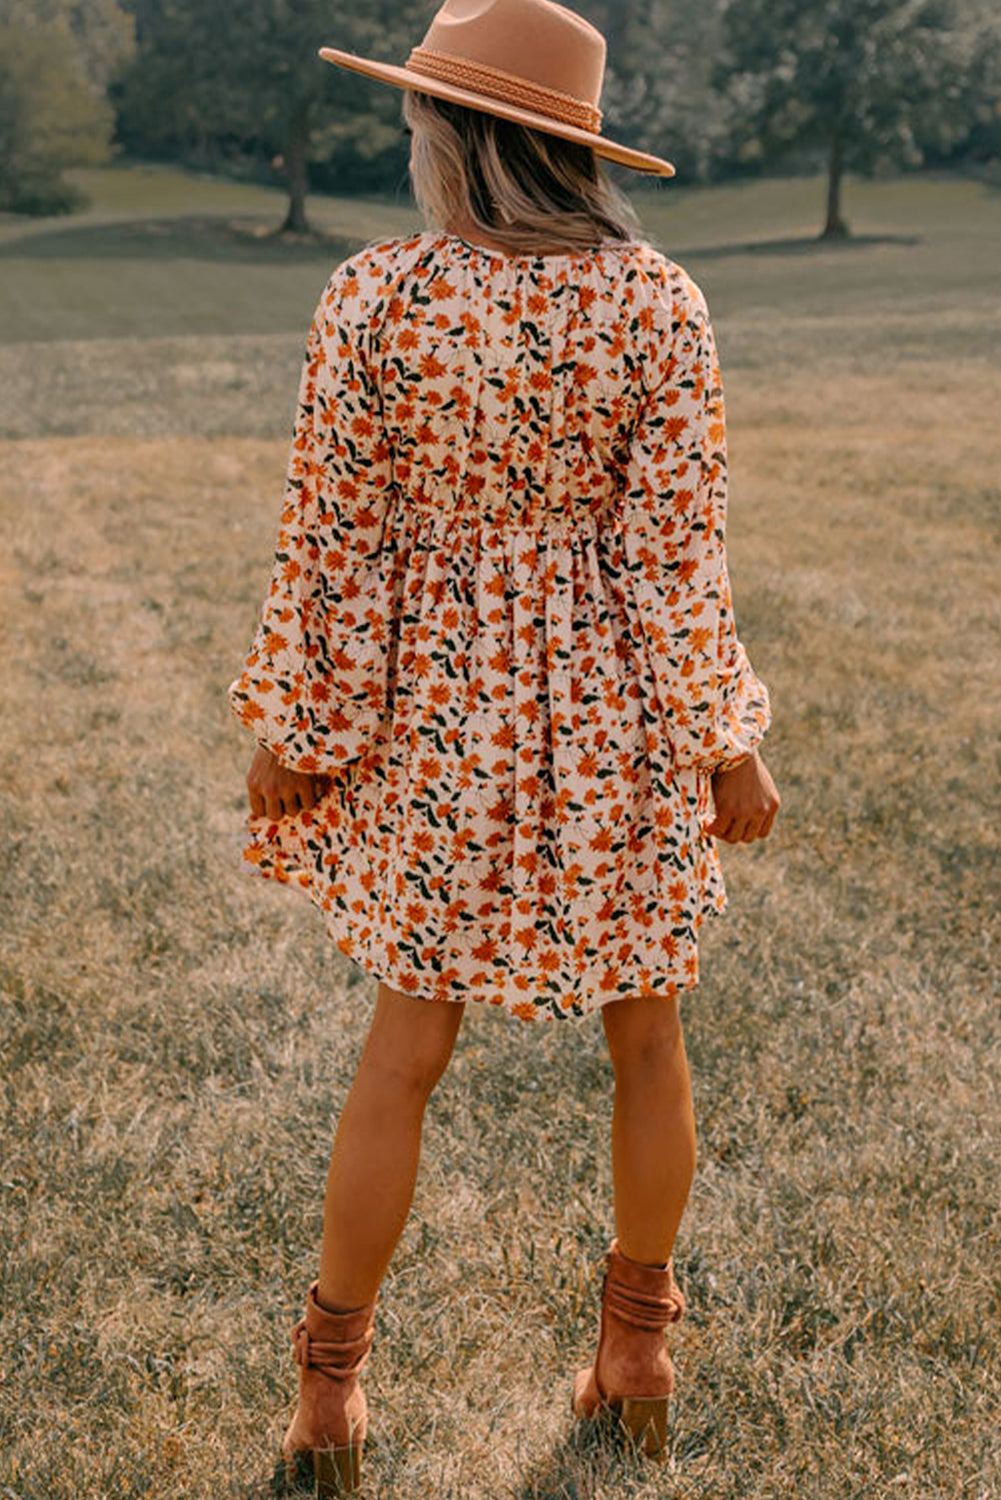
525 189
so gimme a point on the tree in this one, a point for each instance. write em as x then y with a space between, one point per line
53 111
208 75
864 80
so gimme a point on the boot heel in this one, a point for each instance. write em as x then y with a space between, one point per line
646 1422
337 1470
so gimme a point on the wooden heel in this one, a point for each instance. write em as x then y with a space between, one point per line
337 1470
645 1419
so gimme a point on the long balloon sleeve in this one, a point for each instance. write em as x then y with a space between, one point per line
714 708
312 689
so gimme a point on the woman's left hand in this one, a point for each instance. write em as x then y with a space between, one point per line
277 792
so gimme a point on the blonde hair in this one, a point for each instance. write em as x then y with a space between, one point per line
526 189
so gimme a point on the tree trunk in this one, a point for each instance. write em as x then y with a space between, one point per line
297 142
835 226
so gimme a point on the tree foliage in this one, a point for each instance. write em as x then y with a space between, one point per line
658 94
56 61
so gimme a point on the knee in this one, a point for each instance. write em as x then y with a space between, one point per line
643 1035
410 1041
413 1073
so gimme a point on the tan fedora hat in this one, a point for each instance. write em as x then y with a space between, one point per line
531 61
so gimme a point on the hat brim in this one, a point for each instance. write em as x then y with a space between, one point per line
406 78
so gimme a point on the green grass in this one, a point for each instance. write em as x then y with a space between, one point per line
156 252
163 253
176 1040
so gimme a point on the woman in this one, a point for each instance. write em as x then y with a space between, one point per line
497 675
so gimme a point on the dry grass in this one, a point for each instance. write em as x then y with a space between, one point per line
178 1038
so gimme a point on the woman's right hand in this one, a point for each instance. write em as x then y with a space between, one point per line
275 791
746 802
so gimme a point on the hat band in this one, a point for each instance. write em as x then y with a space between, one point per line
497 84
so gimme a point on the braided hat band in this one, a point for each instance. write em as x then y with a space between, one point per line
506 86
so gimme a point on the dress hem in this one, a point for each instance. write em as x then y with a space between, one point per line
371 956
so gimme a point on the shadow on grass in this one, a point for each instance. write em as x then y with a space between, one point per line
193 237
215 238
803 245
594 1457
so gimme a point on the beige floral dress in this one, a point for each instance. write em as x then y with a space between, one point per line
499 624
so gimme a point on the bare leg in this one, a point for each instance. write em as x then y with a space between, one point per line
653 1124
376 1150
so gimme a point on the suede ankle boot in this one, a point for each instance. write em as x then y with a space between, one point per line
632 1374
331 1419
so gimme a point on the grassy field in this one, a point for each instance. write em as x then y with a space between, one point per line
177 1039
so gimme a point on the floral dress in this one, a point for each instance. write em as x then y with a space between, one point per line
499 625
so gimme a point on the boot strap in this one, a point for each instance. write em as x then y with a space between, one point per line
340 1359
644 1309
